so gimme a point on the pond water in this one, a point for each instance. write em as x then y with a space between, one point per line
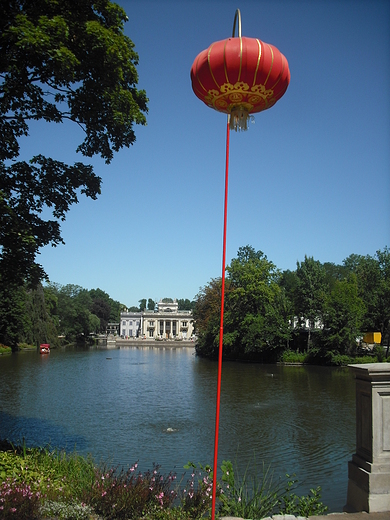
158 405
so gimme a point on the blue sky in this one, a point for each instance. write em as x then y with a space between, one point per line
310 176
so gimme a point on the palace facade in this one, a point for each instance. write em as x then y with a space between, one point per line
167 322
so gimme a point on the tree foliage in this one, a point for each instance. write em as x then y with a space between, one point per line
310 294
255 324
59 61
321 307
373 277
142 304
185 304
342 316
54 314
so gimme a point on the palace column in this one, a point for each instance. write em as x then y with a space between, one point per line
369 470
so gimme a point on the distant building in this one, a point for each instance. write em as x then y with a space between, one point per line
130 324
113 328
167 322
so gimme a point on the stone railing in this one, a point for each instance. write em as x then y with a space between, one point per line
369 470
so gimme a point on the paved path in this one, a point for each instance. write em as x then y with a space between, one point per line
330 516
353 516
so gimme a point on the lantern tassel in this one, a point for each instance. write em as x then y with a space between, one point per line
239 118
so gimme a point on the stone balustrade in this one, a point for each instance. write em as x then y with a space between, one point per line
369 469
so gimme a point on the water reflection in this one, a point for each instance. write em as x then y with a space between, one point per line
158 405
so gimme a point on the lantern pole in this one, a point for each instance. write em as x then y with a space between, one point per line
215 467
237 18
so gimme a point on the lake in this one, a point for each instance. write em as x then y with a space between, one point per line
158 405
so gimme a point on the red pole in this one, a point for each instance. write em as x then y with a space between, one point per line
215 467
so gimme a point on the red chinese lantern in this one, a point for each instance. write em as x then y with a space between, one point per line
237 76
240 76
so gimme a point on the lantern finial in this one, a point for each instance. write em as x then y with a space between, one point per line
239 115
237 15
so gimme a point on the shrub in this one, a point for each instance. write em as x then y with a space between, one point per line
4 349
340 360
309 505
258 497
39 483
196 497
18 501
26 346
125 495
248 497
379 352
66 510
52 473
289 356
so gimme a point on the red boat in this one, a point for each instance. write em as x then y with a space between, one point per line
44 348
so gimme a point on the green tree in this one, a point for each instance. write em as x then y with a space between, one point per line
151 304
76 321
107 309
373 275
185 304
289 281
59 61
384 302
310 293
142 304
12 314
28 316
334 273
342 317
102 310
37 317
206 314
255 321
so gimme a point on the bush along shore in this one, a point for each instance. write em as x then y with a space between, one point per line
332 359
43 484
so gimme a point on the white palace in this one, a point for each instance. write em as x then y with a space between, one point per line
167 322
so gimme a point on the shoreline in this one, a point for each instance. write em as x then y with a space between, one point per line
152 343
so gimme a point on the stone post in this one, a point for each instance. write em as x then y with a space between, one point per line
369 470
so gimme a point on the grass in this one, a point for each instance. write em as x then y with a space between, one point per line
26 346
332 358
289 356
43 484
4 349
